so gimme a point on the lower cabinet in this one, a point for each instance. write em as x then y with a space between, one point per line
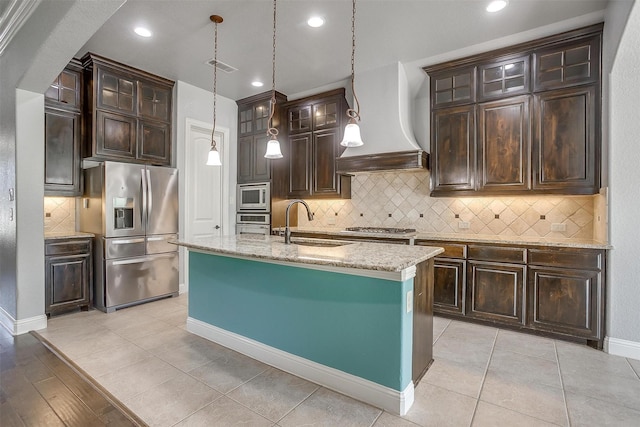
549 290
68 266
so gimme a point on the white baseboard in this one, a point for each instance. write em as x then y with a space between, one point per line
396 402
182 288
624 348
22 326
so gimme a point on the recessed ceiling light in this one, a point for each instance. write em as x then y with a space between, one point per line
257 83
497 5
142 32
315 22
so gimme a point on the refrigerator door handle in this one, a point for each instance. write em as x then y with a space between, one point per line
143 196
127 241
132 261
149 191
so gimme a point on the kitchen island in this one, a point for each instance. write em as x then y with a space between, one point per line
353 317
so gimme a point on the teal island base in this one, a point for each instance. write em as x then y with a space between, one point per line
348 329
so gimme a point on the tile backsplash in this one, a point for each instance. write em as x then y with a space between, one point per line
59 214
401 199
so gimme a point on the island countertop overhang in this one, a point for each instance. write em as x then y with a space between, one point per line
382 257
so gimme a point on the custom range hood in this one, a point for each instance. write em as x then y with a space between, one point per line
389 143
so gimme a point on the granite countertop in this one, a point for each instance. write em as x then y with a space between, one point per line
455 237
359 255
50 235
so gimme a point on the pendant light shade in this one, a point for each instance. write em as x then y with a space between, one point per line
273 146
273 149
213 159
352 136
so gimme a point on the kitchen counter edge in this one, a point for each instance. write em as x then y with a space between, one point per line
355 255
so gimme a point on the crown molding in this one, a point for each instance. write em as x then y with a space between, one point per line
12 19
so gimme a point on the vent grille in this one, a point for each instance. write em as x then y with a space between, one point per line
221 66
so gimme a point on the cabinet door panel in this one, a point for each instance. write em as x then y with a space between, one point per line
116 91
325 151
62 153
299 119
449 285
64 92
300 165
453 149
567 64
245 153
503 78
563 300
261 166
503 145
115 135
155 142
453 87
496 292
565 155
154 101
326 114
66 282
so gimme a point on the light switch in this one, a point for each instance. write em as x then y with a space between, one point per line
11 195
10 214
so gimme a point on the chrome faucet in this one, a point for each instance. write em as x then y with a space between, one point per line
287 231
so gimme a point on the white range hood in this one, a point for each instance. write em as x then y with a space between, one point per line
385 126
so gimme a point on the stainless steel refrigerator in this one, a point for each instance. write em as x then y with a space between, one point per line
133 211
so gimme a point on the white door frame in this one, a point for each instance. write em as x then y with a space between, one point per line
223 147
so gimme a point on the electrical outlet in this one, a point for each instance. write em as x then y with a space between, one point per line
409 301
558 226
331 220
463 225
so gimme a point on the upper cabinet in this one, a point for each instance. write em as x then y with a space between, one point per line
129 117
520 120
63 133
314 126
253 123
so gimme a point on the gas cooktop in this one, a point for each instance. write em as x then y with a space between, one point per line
381 230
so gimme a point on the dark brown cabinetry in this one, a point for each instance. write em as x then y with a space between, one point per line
559 291
537 119
129 115
253 123
67 274
315 125
453 149
566 291
63 133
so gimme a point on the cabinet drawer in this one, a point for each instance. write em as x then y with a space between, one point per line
498 254
451 250
581 259
79 246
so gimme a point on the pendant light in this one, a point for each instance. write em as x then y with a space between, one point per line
214 156
273 146
352 136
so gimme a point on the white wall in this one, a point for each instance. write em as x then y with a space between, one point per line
623 308
38 52
195 103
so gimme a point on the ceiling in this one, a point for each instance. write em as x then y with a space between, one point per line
386 31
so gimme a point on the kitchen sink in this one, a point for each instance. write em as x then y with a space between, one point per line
319 243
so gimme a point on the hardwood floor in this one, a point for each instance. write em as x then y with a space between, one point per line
38 388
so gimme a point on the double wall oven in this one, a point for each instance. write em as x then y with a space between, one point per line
254 207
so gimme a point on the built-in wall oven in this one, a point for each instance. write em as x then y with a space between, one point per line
255 197
253 223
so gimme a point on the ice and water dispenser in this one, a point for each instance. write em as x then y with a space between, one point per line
122 213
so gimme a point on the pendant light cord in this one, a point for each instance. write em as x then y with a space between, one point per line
215 81
354 114
271 130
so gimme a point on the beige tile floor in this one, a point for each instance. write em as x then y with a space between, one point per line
481 376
